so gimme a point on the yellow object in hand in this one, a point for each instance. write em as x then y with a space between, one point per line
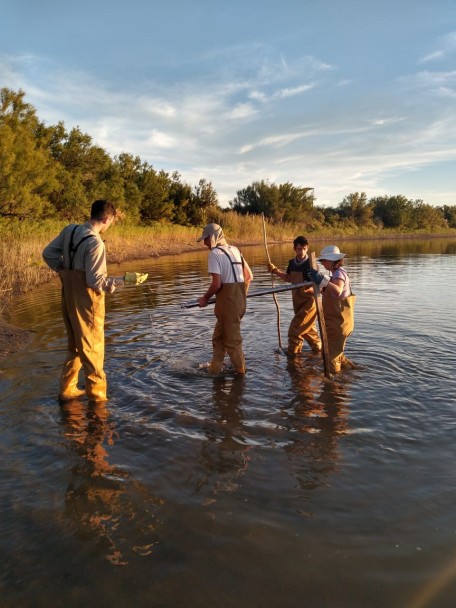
271 267
135 278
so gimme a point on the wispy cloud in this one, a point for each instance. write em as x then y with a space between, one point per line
447 47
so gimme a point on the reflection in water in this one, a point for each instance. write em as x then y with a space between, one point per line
225 453
99 496
319 418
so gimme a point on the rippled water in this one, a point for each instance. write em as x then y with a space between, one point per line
282 489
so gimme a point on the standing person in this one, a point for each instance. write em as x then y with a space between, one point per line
302 326
338 305
231 276
78 255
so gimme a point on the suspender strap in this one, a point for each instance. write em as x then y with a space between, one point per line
233 263
73 249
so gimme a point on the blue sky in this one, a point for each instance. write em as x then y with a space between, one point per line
339 95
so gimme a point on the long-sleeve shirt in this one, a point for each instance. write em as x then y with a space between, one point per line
89 257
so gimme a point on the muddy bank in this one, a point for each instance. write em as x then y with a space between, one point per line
12 339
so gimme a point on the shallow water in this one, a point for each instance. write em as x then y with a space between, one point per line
282 489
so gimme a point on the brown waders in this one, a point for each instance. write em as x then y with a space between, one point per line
83 310
339 321
302 326
230 306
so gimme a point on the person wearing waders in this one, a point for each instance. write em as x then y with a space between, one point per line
231 276
338 305
303 324
78 255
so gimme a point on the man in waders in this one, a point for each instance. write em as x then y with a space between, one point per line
78 255
302 326
231 276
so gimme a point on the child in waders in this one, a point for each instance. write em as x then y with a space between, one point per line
303 324
338 305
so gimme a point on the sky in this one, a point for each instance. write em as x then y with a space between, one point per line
340 96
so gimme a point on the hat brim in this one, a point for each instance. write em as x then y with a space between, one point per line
201 238
332 257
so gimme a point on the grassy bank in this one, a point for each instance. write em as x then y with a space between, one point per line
21 244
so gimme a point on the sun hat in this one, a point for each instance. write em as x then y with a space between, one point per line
331 253
209 230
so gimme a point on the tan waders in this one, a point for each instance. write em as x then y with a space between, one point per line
339 321
230 306
302 326
83 310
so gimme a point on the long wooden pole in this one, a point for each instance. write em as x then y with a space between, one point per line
276 302
321 320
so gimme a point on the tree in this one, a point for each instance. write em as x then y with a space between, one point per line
284 202
393 211
426 217
449 214
156 205
27 170
356 209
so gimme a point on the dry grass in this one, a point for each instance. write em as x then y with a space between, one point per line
21 244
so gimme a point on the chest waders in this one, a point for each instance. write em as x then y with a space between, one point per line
302 326
230 307
340 321
83 310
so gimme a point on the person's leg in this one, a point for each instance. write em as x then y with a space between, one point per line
218 349
72 365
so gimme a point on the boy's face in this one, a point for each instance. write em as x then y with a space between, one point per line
301 251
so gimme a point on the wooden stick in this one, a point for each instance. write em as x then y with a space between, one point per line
276 302
321 320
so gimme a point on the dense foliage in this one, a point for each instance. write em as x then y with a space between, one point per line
47 171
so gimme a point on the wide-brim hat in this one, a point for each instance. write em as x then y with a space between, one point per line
331 253
209 230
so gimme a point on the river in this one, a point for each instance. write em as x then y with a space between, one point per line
283 489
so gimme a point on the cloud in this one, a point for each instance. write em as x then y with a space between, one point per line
235 127
448 47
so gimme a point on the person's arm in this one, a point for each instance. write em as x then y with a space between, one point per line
248 274
53 253
282 275
213 288
336 287
95 267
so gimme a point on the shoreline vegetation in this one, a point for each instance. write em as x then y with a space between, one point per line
23 269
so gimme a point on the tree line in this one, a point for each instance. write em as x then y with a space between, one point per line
47 171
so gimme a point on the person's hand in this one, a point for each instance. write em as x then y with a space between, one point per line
135 278
202 302
315 276
271 267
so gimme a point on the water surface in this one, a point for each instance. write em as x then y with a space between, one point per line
280 489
